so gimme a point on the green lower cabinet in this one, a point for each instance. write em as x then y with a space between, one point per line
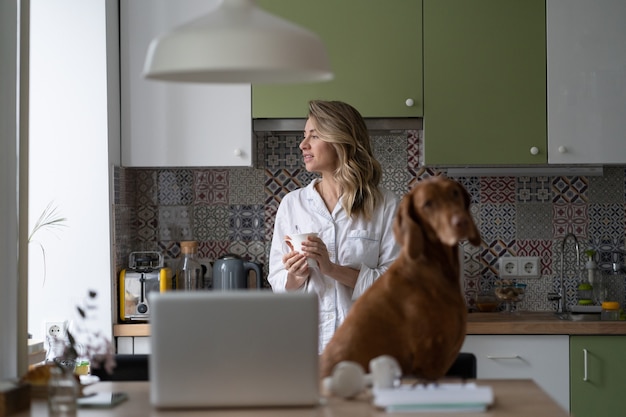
597 375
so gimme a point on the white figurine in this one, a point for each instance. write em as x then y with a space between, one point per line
349 379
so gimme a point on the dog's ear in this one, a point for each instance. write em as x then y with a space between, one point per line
407 228
473 234
467 198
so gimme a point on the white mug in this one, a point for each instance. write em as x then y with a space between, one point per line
296 242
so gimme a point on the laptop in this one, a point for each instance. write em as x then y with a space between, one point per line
220 349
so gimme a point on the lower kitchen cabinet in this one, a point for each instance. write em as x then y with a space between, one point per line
543 358
597 372
133 345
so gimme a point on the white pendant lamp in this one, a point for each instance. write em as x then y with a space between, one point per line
238 43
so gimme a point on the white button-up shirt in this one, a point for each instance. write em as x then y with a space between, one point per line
366 245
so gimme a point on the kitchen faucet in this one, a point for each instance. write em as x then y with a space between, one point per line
562 294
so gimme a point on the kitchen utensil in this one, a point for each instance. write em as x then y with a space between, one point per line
230 272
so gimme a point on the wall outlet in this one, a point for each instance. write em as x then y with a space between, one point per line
509 267
519 267
529 267
55 329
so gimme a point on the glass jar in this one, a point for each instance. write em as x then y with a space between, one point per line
63 391
487 301
610 310
189 272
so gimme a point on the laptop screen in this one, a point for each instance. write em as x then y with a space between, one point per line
233 349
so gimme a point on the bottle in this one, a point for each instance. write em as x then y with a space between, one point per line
189 270
610 311
594 277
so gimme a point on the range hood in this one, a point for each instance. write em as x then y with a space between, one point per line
296 125
373 124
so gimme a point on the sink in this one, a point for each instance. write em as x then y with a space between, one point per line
569 316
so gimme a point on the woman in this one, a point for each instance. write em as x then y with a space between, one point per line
348 209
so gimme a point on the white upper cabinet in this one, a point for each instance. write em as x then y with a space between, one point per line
177 124
586 50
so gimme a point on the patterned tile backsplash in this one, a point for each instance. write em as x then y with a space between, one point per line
231 210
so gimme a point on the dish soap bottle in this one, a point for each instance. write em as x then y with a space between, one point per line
594 277
189 271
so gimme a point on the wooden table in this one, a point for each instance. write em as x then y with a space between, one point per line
513 398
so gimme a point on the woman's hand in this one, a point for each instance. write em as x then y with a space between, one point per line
297 270
315 248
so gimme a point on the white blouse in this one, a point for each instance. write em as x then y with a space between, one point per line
368 246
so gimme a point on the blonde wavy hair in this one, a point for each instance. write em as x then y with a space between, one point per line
358 172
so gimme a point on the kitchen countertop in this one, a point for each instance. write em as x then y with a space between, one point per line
513 398
529 322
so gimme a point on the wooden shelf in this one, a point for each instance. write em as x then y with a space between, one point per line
137 329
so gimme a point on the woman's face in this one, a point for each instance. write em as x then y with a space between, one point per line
318 155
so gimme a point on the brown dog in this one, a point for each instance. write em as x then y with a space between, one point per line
414 312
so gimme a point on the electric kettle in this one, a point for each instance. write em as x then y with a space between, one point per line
230 272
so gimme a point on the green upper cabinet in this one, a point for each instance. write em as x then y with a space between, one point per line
375 50
484 82
597 381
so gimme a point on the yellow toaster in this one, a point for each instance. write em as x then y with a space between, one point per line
144 275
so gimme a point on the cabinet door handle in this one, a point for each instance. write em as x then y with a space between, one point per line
585 376
502 357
